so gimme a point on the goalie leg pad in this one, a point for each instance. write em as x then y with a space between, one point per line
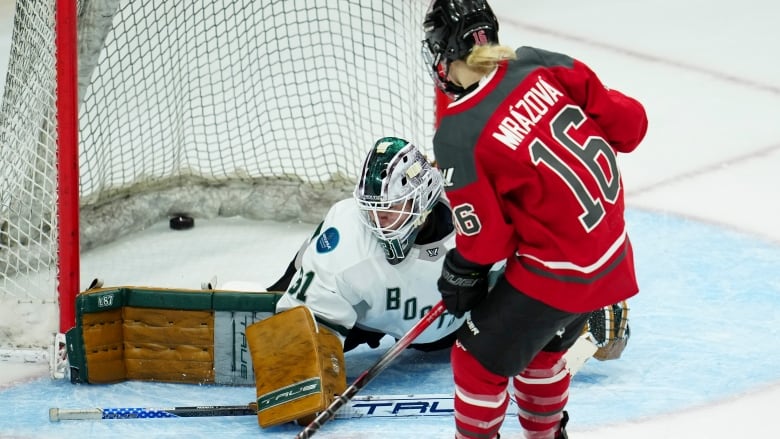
579 353
299 366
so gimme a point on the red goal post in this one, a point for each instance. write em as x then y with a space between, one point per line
67 256
116 114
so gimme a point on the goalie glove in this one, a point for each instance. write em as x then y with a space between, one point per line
358 336
463 284
610 330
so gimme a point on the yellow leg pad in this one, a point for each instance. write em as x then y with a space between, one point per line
169 345
103 346
299 367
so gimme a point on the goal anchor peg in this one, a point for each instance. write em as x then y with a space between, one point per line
58 357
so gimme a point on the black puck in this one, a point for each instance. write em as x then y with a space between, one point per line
181 222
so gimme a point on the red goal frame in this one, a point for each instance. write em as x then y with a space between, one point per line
67 161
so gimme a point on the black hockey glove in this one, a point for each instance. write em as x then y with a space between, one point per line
463 284
358 336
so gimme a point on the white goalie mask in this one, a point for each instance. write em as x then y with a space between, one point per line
396 191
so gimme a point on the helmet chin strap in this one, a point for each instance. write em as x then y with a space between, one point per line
460 90
452 90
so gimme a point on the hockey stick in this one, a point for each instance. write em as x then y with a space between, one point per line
57 414
368 406
372 372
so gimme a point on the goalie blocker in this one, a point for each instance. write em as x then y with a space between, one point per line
298 365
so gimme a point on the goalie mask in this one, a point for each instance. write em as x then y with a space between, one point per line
396 191
452 29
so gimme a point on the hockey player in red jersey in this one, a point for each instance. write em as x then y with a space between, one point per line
528 149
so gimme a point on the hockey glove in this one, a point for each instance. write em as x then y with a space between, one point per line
463 284
358 336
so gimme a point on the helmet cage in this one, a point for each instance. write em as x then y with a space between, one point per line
397 189
439 69
403 212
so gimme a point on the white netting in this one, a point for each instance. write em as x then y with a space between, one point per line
216 107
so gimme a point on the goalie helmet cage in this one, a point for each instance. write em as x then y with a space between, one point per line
263 109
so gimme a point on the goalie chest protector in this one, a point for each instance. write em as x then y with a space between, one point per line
299 366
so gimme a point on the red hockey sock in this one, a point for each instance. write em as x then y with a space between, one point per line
481 397
541 392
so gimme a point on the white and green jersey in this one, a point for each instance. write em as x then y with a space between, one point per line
344 278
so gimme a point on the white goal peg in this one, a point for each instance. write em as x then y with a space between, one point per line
58 357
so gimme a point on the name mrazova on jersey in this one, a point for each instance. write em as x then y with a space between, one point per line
526 113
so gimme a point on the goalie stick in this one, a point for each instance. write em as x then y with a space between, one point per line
370 406
372 372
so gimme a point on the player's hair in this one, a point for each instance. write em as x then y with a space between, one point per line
483 59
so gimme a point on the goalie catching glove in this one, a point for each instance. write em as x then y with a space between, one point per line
610 331
463 284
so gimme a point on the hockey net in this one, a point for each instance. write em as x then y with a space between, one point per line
262 109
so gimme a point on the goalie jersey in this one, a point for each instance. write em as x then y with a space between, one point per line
343 277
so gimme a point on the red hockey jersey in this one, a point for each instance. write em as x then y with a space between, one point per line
530 166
